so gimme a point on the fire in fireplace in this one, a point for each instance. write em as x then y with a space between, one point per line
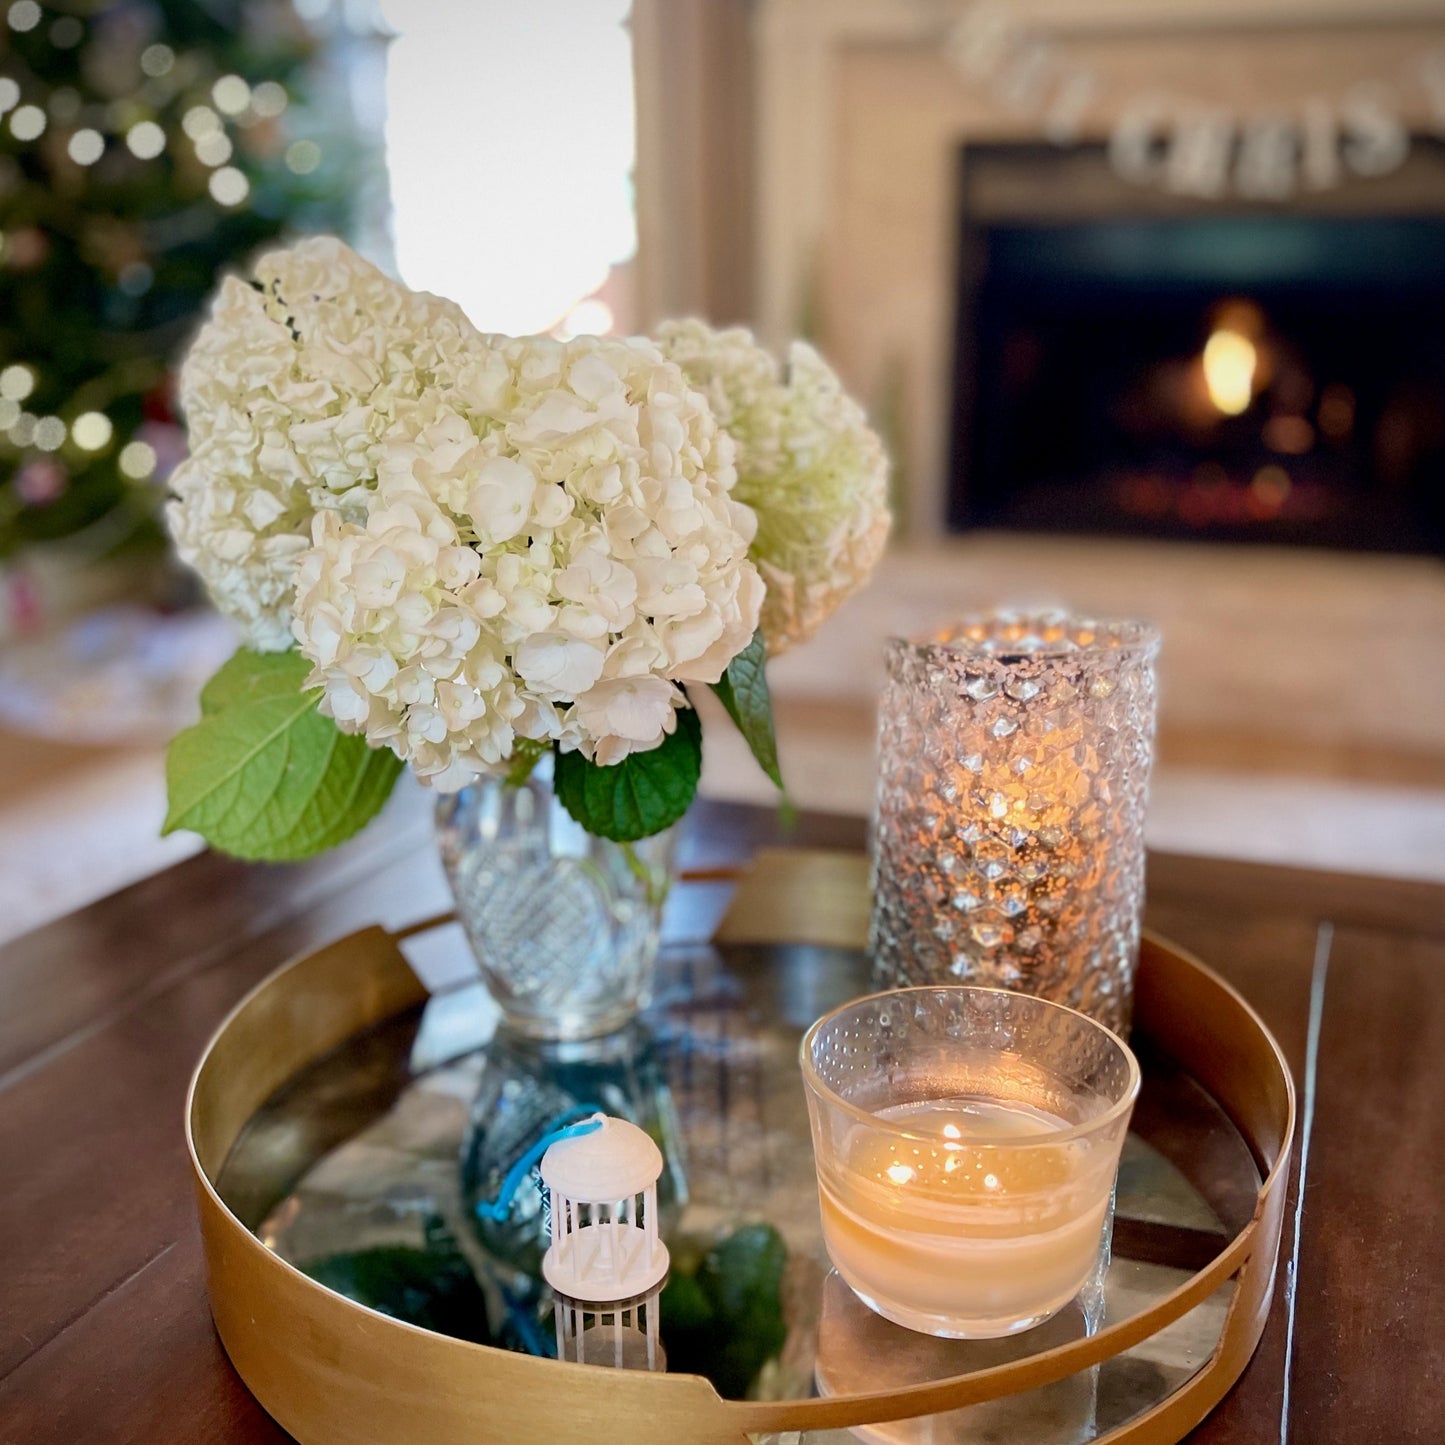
1260 374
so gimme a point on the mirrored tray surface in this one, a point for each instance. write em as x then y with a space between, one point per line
362 1168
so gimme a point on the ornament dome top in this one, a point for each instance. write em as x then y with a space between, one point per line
606 1165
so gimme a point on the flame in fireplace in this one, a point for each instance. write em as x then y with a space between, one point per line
1230 362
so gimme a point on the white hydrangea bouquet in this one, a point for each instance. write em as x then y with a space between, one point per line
460 551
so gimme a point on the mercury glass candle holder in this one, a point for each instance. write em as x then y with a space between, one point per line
1015 752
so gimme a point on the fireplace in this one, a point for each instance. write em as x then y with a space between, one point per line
1129 363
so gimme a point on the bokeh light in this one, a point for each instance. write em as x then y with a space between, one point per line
157 59
146 140
229 187
303 156
269 99
214 149
86 147
137 460
27 123
16 382
231 94
24 15
66 33
92 431
200 120
50 433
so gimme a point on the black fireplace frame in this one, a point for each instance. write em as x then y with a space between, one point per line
1282 237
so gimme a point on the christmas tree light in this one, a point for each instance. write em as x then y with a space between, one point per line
142 151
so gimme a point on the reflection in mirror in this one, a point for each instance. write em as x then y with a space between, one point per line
528 1084
621 1336
860 1352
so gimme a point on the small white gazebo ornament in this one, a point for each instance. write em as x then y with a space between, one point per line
603 1185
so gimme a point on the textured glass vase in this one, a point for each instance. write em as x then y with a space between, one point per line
1009 844
565 926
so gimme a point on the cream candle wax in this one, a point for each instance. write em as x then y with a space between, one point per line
967 1142
941 1235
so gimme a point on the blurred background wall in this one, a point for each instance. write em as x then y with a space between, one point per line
1146 297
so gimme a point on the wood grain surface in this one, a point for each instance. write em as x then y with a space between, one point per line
105 1334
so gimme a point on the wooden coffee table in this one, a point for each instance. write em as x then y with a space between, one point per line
105 1331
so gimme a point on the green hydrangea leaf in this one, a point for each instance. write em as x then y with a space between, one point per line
722 1315
432 1290
250 676
263 775
744 693
641 795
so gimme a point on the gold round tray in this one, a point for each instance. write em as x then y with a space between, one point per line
328 1368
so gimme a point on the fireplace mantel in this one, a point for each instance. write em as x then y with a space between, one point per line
860 119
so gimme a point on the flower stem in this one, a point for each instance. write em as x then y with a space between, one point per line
526 754
656 882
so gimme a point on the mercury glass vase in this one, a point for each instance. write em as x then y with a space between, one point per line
1009 842
565 926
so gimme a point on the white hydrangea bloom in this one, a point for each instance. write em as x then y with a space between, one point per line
287 392
550 549
808 464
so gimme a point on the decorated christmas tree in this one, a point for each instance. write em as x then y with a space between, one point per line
145 146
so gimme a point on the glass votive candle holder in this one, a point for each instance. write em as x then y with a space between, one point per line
1008 847
967 1142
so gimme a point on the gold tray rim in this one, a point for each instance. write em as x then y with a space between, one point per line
365 1377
